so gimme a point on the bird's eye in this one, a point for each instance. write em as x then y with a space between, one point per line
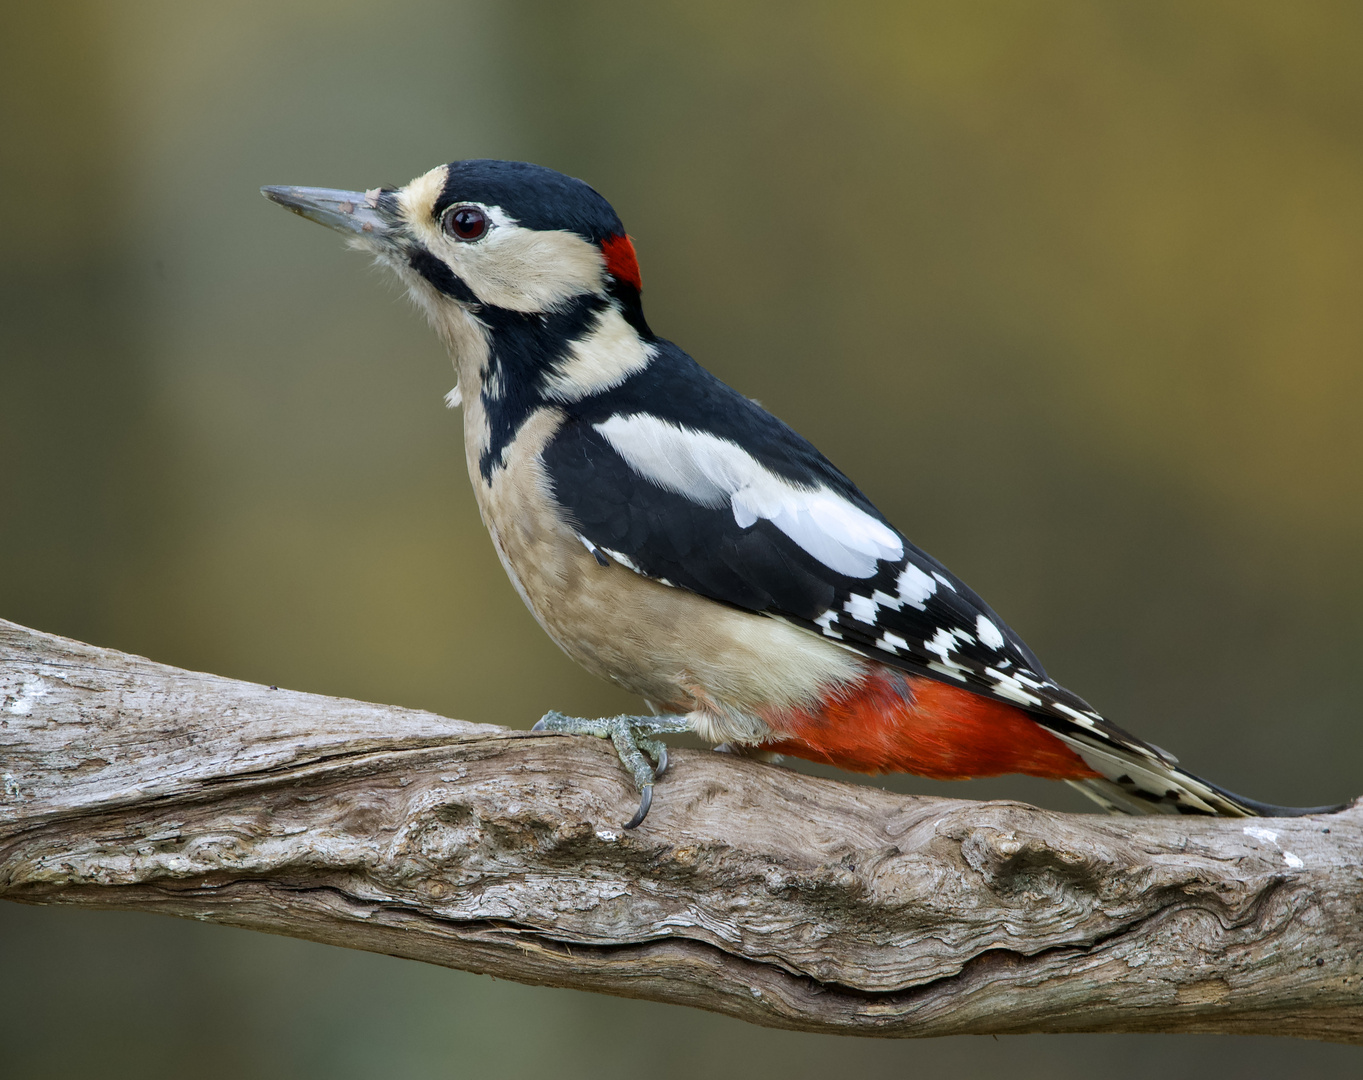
465 222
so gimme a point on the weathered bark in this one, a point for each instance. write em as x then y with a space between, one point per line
750 890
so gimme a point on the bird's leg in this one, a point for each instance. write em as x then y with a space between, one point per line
634 741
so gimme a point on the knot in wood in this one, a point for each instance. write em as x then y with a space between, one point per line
1009 862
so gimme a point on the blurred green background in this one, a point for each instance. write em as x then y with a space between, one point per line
1073 291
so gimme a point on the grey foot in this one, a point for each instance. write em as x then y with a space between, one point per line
633 738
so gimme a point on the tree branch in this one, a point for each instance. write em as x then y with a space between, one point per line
778 898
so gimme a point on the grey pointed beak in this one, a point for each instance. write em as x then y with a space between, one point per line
360 212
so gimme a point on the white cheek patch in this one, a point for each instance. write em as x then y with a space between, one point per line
526 270
715 472
511 267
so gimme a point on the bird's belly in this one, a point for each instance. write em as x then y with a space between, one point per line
678 650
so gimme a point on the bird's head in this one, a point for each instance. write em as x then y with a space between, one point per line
487 242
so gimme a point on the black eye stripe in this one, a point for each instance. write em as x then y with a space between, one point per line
464 222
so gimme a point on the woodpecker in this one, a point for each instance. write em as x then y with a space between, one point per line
675 538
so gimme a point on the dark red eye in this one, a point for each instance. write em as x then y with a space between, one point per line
465 222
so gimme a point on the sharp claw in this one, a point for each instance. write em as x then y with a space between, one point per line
542 724
642 812
636 744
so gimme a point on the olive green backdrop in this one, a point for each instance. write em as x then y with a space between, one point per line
1075 292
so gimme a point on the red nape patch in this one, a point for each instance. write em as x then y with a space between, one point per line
621 260
892 722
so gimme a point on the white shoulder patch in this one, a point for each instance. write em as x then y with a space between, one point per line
716 472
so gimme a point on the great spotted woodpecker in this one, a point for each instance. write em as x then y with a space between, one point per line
677 539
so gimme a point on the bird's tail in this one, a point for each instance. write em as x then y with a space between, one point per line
1137 777
1176 791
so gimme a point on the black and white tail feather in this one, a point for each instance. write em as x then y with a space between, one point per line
1131 785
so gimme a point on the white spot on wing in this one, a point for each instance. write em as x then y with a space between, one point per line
624 560
1008 686
989 634
713 472
915 587
1086 719
944 643
861 608
892 643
